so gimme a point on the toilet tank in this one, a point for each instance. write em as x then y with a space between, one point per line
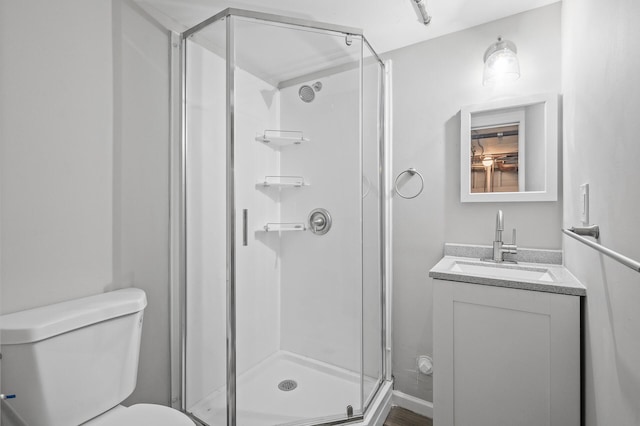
69 362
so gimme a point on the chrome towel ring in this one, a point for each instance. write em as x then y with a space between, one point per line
411 172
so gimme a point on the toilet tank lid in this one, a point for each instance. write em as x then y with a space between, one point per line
47 321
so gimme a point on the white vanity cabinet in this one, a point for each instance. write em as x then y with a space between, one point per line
505 356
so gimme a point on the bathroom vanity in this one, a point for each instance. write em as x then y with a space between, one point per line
506 342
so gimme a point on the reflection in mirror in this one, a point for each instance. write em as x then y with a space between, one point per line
494 159
509 150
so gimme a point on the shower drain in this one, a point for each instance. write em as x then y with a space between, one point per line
287 385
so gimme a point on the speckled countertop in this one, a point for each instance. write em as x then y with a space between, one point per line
524 254
558 279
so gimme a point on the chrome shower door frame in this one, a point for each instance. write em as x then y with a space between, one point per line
179 167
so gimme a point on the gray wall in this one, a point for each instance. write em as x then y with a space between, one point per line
141 185
84 162
431 81
56 160
601 65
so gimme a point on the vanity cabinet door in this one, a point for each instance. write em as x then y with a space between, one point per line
505 356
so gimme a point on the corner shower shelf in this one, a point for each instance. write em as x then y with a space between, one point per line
279 138
281 227
283 182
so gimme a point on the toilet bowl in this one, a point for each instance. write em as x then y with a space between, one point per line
73 363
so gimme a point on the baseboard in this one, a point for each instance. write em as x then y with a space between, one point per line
411 403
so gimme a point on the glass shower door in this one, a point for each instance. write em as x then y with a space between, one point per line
298 209
373 192
206 224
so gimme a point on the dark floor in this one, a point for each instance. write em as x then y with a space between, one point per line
403 417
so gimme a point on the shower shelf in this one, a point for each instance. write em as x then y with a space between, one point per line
279 138
283 182
281 227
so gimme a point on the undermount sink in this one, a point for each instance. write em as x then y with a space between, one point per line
503 270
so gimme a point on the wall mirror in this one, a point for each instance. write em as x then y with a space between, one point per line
509 150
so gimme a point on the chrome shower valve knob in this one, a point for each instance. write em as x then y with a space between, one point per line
319 221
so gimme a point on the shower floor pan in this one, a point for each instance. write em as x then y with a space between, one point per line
321 390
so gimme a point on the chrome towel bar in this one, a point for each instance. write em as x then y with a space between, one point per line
594 231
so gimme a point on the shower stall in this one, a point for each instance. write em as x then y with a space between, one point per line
284 204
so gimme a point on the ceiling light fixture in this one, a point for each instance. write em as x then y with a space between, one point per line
422 8
501 62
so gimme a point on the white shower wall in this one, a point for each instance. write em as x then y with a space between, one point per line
322 275
331 284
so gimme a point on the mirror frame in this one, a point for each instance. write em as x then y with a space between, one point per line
550 193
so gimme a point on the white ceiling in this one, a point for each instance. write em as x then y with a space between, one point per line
387 24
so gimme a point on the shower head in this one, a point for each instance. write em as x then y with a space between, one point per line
308 93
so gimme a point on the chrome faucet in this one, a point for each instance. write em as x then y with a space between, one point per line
500 248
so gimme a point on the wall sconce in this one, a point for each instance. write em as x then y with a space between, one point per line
500 62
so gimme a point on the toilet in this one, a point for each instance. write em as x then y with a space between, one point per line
73 363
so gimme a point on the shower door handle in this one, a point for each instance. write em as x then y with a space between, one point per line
245 239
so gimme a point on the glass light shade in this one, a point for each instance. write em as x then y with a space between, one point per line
501 63
487 161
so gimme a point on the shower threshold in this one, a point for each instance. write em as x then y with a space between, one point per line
322 390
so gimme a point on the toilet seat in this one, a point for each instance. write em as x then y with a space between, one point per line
141 414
